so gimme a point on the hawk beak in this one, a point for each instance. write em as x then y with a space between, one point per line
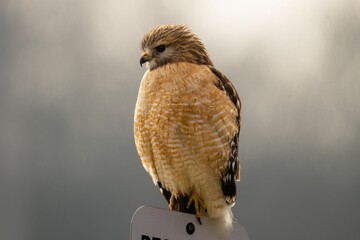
145 57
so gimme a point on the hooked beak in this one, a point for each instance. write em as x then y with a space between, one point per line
145 57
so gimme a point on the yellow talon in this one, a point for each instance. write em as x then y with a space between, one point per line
172 202
198 203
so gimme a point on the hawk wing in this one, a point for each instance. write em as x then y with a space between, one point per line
232 171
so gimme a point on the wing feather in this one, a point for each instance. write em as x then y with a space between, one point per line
231 173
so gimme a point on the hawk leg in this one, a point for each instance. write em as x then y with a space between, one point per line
198 204
172 202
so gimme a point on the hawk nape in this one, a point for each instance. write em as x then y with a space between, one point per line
187 123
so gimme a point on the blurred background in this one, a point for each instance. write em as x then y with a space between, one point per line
69 76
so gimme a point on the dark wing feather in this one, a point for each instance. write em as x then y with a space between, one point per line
231 174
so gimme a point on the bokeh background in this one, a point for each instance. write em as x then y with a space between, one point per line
69 76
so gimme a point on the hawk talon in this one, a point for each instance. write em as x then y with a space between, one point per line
172 202
198 203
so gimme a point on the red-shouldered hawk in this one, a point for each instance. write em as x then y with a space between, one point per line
187 123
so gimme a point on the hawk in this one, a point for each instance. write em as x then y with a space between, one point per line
187 123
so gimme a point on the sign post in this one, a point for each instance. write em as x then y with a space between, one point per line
149 223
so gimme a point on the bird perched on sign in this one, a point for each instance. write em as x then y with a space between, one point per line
187 123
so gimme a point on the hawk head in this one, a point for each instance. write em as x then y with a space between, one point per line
172 43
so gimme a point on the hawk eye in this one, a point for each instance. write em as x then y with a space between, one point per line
160 48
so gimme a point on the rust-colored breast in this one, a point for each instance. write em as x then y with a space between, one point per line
183 125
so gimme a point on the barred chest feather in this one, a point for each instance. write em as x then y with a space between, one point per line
183 129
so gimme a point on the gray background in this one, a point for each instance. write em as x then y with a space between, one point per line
70 72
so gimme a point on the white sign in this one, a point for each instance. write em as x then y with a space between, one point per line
149 223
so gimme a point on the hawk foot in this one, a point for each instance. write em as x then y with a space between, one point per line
198 203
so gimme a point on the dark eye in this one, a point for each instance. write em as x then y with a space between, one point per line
160 48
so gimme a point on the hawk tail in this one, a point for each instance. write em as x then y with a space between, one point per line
224 223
